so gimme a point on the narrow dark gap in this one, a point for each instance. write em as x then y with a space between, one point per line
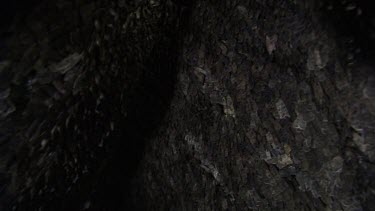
150 104
149 107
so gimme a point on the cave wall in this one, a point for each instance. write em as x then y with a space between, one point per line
272 111
201 105
83 84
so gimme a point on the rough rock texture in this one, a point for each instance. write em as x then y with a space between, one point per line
211 105
78 85
269 112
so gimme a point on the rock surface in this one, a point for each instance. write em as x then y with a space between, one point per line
207 105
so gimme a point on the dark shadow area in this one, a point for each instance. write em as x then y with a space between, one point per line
9 11
148 101
354 21
148 107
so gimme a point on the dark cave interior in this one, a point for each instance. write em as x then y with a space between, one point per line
149 100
